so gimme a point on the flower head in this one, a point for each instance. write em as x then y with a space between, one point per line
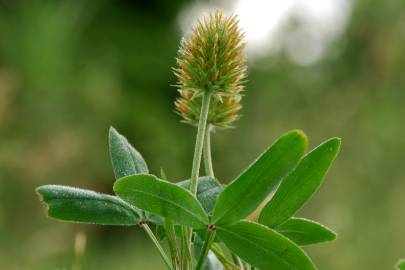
210 61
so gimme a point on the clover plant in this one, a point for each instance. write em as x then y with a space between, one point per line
203 220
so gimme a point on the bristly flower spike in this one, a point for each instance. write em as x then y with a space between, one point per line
211 60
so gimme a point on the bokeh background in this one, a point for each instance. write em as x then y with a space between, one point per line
70 69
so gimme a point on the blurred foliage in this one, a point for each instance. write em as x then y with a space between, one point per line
69 69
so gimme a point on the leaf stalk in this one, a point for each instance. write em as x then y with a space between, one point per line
209 238
157 244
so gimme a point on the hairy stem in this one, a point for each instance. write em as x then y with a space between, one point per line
209 238
171 239
187 260
207 153
158 246
202 126
195 170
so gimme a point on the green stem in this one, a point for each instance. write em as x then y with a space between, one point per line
240 263
186 247
228 265
158 246
237 260
202 125
171 239
209 238
195 170
207 153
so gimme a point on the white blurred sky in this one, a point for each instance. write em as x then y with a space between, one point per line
303 29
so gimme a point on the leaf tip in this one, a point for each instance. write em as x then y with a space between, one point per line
334 144
337 140
39 191
300 134
112 132
334 236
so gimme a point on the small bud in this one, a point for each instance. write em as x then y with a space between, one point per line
210 60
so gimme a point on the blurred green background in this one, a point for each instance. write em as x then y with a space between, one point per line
70 69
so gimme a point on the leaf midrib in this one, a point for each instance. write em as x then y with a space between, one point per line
125 142
207 191
296 193
105 198
249 191
171 202
292 231
260 247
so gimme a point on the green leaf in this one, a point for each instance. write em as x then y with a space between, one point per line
246 193
124 158
208 191
85 206
401 264
305 232
298 187
263 247
162 198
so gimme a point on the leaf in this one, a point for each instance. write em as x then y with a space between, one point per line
124 158
155 219
162 198
208 191
246 193
263 247
85 206
298 187
305 232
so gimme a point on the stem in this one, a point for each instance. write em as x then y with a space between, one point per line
238 261
186 248
216 249
207 153
195 170
171 239
171 235
209 238
157 244
202 125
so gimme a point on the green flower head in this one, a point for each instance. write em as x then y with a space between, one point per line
210 60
